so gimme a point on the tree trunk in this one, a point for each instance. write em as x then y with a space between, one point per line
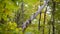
53 20
25 24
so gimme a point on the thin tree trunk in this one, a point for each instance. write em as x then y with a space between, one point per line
39 22
53 20
22 8
39 18
49 29
44 19
25 24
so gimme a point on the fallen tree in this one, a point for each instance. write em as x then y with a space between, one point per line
25 24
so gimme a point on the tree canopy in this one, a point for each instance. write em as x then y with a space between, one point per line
29 16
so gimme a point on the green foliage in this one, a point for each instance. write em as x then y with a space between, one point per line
10 8
9 28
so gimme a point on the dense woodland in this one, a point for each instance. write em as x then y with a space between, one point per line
29 16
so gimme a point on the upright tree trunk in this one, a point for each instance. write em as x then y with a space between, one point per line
22 9
39 22
39 18
44 19
53 20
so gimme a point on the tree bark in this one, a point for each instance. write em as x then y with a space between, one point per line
53 13
25 24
